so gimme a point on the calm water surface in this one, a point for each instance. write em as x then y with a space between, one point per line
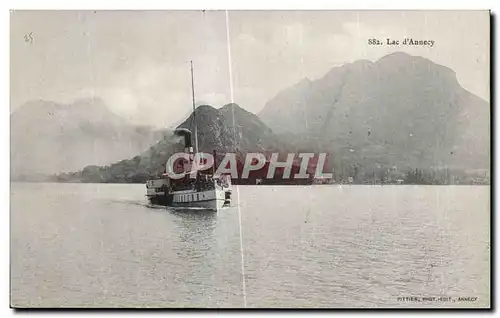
101 245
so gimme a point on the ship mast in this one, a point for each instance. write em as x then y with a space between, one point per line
195 130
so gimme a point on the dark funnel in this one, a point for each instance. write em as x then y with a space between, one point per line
186 133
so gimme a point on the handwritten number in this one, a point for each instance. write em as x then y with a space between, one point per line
28 38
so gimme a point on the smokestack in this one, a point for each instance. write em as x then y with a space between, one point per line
186 133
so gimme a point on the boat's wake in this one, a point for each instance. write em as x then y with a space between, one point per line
153 206
150 205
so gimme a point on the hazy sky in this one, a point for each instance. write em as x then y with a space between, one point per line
138 61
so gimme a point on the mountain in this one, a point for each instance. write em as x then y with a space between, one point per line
399 119
49 137
401 110
228 129
231 129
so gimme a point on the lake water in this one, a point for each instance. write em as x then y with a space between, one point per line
101 245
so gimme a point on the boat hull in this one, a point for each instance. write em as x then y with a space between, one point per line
214 199
213 205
